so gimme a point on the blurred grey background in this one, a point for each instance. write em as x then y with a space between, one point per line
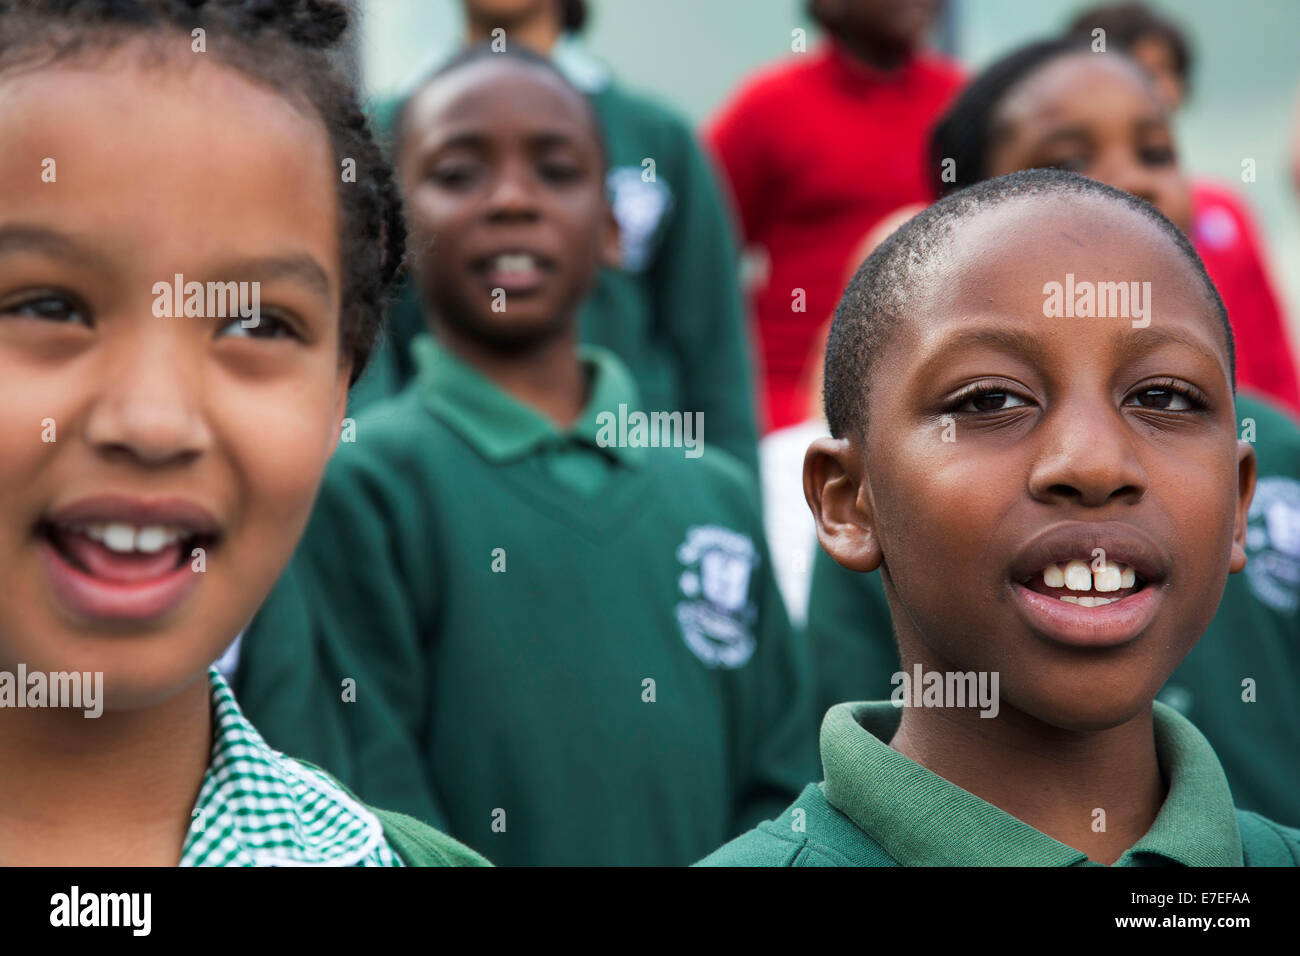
693 53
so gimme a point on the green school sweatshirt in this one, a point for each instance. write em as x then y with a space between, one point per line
1255 636
880 808
564 652
672 311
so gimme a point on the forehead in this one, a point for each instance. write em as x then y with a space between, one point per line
193 157
1072 79
997 265
501 97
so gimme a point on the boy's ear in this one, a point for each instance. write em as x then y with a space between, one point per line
834 485
611 251
1246 471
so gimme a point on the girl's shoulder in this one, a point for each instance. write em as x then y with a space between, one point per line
419 844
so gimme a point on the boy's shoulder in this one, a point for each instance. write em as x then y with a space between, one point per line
810 832
391 434
716 476
1265 843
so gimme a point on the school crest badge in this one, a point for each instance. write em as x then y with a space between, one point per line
716 613
641 207
1273 543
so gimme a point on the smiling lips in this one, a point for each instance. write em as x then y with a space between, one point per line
1076 582
1091 585
516 272
122 559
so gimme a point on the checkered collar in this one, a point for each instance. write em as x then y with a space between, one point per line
258 807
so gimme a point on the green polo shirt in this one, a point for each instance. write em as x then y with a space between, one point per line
877 807
563 651
672 310
1240 685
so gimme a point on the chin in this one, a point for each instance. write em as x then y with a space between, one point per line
1083 709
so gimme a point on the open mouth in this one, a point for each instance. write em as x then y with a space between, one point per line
514 271
123 560
1085 583
121 552
1090 584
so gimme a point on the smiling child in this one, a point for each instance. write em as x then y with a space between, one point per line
569 648
982 451
156 472
1054 104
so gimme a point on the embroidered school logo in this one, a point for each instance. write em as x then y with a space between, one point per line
717 615
640 208
1273 543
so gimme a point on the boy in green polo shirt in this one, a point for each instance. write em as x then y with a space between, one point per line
669 303
575 628
1054 504
1233 685
1239 684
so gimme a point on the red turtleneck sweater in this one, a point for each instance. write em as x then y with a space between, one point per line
817 150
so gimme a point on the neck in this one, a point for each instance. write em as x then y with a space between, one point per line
547 377
877 55
114 790
1051 779
538 32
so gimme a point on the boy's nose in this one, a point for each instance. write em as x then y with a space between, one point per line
147 407
514 196
1087 458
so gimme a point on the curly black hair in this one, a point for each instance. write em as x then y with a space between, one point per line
289 46
881 291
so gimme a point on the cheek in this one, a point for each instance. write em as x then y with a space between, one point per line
278 441
1206 510
938 503
39 411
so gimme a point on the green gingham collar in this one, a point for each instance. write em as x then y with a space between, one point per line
258 807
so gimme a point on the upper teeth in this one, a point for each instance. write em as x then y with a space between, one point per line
1079 576
515 262
125 538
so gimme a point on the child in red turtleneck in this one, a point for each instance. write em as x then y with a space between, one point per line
819 149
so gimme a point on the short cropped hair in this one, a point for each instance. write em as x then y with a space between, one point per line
485 52
879 292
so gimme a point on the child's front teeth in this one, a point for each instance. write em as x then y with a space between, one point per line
1108 578
515 262
124 538
1077 576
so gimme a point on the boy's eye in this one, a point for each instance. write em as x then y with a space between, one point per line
560 172
49 307
987 400
1159 156
454 175
267 327
1164 399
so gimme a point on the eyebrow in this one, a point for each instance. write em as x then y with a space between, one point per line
1019 343
297 267
1143 339
545 139
1026 345
21 237
301 267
